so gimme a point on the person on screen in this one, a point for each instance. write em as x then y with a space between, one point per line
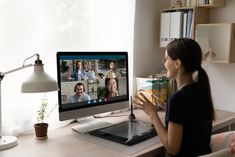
111 87
78 74
189 111
90 74
80 94
112 72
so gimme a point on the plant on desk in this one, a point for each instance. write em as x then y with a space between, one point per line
41 126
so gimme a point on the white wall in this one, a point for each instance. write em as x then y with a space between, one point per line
147 54
222 76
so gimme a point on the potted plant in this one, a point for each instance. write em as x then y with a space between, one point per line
41 127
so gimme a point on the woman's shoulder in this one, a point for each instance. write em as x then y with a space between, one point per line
186 90
187 93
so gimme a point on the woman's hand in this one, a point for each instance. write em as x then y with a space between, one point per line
162 104
115 93
69 78
147 106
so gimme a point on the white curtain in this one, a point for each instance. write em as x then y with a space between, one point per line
46 27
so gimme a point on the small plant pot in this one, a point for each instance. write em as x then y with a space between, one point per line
41 131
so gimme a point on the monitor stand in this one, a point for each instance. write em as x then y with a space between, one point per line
90 123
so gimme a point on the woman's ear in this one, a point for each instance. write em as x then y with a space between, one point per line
178 63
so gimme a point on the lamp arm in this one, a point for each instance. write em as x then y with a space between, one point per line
16 69
38 58
38 61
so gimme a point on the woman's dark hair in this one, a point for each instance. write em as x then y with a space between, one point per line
189 53
77 63
106 84
114 62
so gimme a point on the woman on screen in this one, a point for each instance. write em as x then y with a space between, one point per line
190 111
111 87
78 74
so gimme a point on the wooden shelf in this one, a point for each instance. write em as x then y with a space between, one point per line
220 38
200 15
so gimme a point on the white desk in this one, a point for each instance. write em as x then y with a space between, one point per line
64 142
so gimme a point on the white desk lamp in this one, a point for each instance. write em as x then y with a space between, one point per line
38 82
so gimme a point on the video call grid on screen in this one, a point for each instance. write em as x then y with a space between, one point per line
95 66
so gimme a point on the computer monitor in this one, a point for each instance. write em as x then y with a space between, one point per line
84 91
96 82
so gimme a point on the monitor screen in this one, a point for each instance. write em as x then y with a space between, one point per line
91 83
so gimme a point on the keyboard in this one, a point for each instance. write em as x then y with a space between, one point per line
91 126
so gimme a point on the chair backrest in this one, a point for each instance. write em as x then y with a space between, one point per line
222 145
222 140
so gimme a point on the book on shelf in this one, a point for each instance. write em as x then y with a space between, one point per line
204 2
185 18
189 24
192 3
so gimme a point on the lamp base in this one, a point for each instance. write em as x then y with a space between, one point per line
7 142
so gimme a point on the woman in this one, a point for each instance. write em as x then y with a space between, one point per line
78 74
111 87
189 111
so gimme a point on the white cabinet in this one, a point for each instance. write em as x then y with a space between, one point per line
217 42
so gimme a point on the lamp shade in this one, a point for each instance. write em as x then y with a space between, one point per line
39 81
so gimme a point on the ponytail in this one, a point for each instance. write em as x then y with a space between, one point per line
204 88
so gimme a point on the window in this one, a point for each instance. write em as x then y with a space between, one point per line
45 27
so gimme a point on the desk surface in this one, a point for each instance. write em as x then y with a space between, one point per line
63 142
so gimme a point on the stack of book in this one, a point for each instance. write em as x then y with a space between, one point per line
191 3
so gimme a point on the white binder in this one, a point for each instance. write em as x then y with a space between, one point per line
189 24
185 18
165 29
176 25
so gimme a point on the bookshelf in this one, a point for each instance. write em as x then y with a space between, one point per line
182 21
